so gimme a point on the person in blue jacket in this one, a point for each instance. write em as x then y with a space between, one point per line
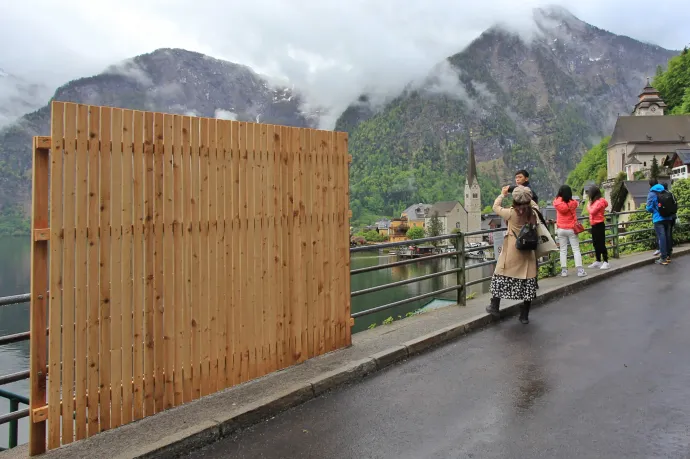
662 225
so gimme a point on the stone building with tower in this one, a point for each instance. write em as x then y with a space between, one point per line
473 196
644 135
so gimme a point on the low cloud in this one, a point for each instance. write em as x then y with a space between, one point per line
225 115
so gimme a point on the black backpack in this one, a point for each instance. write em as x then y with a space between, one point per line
528 238
667 205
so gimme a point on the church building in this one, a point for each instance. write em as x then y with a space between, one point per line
644 135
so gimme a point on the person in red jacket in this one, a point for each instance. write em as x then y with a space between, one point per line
566 217
597 208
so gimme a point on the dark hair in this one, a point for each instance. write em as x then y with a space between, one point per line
522 172
594 193
652 182
565 193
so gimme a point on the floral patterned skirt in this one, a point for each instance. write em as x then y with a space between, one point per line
511 288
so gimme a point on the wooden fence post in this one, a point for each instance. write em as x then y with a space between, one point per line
460 263
40 233
614 222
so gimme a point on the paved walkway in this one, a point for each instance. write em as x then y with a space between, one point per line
601 374
199 423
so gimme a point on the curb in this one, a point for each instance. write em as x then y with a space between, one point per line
175 446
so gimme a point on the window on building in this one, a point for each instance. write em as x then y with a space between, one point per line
474 195
645 164
628 206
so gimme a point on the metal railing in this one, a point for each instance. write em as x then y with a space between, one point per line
458 254
616 237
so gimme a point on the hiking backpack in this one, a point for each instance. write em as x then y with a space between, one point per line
666 204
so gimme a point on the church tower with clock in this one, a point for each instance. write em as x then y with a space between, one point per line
650 103
473 196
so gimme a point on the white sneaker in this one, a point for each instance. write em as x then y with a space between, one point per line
596 264
656 253
604 265
564 273
581 272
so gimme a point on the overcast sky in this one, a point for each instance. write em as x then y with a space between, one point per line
329 45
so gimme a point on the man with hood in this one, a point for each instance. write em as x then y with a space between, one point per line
662 225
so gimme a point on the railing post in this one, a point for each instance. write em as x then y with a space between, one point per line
553 257
614 222
39 291
460 264
14 432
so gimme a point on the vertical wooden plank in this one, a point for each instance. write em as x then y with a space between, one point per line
253 251
336 300
178 249
244 303
205 261
305 250
279 246
56 246
105 265
287 249
150 300
327 264
345 236
127 272
186 326
236 279
297 267
319 252
93 274
195 205
333 240
213 254
68 276
255 248
39 283
116 273
159 261
138 264
168 263
223 133
269 254
309 239
81 294
339 293
262 231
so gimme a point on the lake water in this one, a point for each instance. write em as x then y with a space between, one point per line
15 279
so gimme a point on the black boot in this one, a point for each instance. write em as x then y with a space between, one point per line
493 307
524 312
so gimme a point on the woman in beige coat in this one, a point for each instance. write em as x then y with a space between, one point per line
515 276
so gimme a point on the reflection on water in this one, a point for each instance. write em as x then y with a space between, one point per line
15 279
398 273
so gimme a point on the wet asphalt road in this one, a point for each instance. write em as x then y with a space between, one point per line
604 373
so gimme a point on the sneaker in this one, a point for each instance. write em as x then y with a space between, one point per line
656 253
564 273
596 264
581 272
604 265
659 261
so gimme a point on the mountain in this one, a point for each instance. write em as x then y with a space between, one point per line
536 102
19 96
166 80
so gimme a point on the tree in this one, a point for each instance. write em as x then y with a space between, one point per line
435 226
673 84
654 171
617 195
592 166
415 232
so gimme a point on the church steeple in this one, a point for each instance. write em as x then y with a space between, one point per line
473 195
471 164
650 102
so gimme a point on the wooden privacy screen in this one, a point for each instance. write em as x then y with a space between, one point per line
187 255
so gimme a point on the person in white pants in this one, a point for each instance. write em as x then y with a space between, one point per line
566 218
